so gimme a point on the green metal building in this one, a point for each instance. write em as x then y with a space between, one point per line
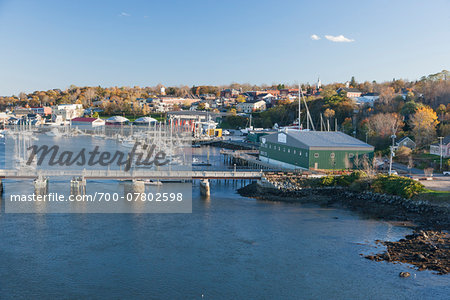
314 150
254 136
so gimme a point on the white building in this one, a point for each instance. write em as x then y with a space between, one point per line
436 147
87 123
68 111
368 98
250 106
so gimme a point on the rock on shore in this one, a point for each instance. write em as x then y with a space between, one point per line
427 250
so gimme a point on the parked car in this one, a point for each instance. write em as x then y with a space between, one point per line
446 173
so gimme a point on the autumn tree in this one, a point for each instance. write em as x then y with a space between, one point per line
386 95
423 124
329 113
403 154
90 95
347 126
441 111
385 124
240 99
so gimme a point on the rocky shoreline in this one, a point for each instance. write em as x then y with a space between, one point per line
428 251
373 205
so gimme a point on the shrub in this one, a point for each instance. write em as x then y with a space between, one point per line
396 185
328 181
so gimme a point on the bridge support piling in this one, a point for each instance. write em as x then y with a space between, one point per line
78 186
136 186
205 188
40 185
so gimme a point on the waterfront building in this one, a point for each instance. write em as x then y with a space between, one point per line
117 120
314 150
147 121
87 123
254 136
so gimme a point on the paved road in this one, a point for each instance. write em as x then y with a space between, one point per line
404 168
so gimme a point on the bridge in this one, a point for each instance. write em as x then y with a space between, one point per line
134 174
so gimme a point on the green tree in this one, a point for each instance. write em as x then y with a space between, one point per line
353 82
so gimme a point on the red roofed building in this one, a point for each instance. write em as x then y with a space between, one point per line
87 123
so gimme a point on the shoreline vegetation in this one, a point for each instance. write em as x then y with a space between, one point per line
389 198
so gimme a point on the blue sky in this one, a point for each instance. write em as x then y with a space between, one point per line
52 44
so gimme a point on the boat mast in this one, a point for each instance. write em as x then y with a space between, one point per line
299 108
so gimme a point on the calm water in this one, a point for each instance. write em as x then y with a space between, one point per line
230 247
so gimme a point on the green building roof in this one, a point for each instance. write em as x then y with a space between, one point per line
317 140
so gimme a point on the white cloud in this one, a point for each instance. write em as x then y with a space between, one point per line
315 37
124 14
338 39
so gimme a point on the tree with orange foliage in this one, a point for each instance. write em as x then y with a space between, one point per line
423 124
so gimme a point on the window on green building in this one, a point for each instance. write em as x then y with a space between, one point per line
316 155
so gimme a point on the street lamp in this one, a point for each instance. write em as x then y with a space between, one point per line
392 154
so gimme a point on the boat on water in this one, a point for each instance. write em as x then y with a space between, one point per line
197 163
54 133
152 182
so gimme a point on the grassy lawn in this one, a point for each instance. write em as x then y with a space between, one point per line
425 160
436 197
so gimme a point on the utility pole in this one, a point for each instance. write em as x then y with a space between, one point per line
440 150
392 154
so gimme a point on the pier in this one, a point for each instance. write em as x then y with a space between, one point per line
134 174
246 158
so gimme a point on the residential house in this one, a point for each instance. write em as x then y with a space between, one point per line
20 111
42 110
229 93
368 98
350 92
68 111
406 142
436 147
251 106
286 92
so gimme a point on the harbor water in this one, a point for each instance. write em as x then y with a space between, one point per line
229 247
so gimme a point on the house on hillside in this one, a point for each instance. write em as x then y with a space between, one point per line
251 106
350 92
368 98
68 111
229 93
296 149
436 147
406 142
